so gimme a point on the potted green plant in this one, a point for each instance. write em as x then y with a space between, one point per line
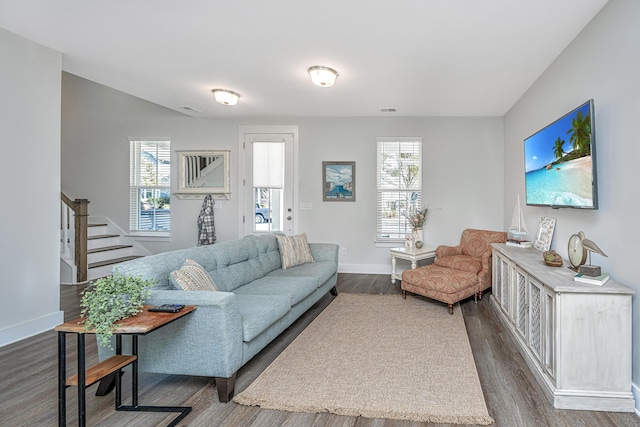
111 299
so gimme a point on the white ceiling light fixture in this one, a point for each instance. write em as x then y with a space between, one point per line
323 76
225 97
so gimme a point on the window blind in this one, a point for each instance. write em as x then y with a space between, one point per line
399 185
150 185
268 164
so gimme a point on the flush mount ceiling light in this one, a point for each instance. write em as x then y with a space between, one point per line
225 97
323 76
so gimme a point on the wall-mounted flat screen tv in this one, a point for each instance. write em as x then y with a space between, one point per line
560 162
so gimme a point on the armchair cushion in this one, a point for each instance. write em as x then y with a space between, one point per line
460 262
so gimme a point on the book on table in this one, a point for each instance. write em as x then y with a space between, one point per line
519 243
592 280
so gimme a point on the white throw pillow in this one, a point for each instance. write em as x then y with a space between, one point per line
294 250
193 277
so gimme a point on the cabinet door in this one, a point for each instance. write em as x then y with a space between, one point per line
521 302
536 318
505 280
496 275
548 341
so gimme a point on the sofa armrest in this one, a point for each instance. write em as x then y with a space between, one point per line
207 342
444 250
324 251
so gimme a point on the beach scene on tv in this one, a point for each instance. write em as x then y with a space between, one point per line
558 169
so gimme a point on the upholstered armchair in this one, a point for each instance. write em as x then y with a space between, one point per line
458 272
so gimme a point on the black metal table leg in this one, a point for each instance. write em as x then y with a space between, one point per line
82 402
134 371
118 378
62 379
183 410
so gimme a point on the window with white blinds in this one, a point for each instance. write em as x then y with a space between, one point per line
399 186
150 186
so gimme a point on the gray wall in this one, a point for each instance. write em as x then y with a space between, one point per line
602 63
29 230
462 169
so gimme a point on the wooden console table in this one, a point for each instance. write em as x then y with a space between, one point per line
575 337
140 324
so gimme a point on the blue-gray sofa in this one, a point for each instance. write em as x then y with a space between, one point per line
256 302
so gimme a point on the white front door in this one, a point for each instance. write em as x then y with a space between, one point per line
268 179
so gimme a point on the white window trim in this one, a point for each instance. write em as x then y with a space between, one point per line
145 234
394 242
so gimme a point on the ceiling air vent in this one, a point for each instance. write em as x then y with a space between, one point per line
187 108
387 110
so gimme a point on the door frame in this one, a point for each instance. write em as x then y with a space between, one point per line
265 129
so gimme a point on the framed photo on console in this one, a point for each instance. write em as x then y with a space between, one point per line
338 181
545 233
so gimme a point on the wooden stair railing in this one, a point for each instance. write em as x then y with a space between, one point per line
80 208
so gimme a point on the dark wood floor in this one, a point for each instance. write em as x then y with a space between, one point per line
28 385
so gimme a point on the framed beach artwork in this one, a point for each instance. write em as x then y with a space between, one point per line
339 181
545 233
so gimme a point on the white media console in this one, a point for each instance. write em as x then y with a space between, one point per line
575 337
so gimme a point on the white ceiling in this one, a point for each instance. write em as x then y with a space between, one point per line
422 57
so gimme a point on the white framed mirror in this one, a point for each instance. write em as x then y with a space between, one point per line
203 172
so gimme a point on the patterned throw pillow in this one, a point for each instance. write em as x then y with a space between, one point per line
193 277
294 250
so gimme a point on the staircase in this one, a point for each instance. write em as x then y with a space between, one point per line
104 250
89 249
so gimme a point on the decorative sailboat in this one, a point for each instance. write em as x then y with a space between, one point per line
518 228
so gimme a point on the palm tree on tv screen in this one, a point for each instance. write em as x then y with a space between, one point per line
558 151
580 134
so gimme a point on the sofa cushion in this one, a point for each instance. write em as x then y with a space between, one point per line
237 264
258 312
295 288
192 277
321 271
268 252
294 250
460 262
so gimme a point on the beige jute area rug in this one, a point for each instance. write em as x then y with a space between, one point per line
377 356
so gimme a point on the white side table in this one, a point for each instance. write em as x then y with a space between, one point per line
410 254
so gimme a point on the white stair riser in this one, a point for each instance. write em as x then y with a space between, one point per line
98 272
106 255
101 243
96 231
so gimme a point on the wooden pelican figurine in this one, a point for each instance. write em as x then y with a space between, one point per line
590 246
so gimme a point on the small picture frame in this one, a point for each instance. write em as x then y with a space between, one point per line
338 181
545 233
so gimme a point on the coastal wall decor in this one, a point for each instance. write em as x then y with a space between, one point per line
339 181
545 233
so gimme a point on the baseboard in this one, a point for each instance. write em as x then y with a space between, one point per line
15 333
371 268
364 268
636 395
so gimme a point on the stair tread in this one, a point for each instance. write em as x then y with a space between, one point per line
108 248
102 236
97 225
113 261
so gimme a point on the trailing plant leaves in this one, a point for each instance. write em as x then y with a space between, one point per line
111 299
